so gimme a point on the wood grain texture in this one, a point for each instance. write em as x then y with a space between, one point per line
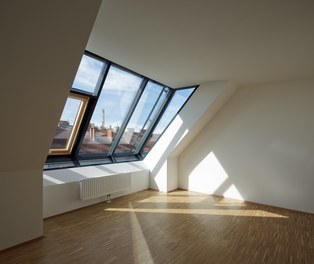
178 227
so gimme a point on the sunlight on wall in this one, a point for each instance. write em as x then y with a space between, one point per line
156 160
175 127
177 123
208 175
233 192
160 178
161 150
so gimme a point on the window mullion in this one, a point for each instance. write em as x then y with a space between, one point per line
124 145
89 112
149 116
155 121
128 117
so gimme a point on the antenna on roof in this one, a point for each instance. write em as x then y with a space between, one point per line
103 119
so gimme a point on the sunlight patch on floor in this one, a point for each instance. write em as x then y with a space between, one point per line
229 204
217 212
172 199
141 251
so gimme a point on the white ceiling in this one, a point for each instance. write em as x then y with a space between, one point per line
182 43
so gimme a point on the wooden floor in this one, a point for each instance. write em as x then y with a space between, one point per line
178 227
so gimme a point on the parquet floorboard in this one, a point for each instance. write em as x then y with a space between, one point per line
178 227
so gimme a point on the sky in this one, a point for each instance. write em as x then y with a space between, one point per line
117 95
70 110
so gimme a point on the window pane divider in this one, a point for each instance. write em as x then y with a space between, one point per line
89 111
71 157
155 121
128 117
148 117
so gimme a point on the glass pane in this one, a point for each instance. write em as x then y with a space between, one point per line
88 75
113 104
145 111
177 101
66 123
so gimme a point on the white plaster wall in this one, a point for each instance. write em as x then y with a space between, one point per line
259 147
62 189
42 43
201 107
172 172
21 206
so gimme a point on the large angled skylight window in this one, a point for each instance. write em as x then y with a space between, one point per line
111 115
151 101
178 100
116 97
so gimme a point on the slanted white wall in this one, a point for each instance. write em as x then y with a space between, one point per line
259 147
162 159
62 189
42 43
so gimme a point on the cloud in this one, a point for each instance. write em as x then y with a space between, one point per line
88 74
121 81
70 110
116 96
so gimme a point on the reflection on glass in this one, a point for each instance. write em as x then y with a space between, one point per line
145 111
113 104
88 74
177 101
66 123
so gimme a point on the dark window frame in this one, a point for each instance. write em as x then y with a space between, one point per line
74 159
143 154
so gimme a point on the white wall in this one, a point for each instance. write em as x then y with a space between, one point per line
259 147
42 43
21 206
62 190
201 107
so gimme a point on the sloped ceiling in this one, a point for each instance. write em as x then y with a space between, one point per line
42 45
182 43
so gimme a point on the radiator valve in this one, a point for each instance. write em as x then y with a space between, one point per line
108 198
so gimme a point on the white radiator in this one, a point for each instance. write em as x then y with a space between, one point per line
101 186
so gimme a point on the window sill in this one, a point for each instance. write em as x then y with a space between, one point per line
67 175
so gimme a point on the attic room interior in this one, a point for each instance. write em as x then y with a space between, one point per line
224 176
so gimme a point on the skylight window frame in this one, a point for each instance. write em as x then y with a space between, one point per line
118 155
76 159
76 125
128 117
130 111
140 151
148 119
154 122
99 83
90 110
